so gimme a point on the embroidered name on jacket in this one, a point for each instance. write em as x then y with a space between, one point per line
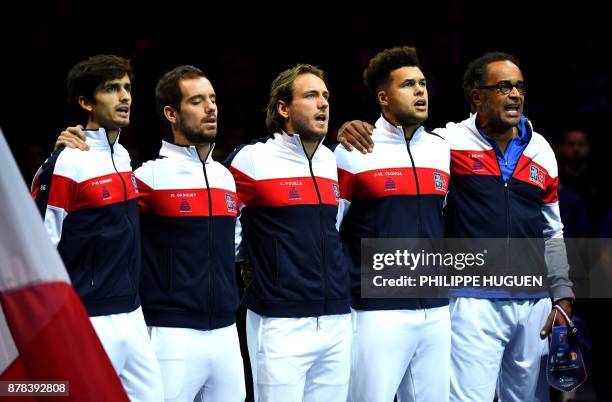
90 193
394 181
193 202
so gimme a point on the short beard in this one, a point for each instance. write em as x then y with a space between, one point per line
307 134
198 137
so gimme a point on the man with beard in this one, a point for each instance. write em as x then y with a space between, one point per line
188 208
89 204
298 322
397 191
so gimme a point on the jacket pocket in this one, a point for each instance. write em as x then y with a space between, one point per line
276 262
169 270
92 267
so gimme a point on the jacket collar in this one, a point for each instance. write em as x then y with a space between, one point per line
294 143
388 129
98 138
524 124
184 152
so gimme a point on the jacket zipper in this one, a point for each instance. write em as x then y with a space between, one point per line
314 180
125 211
418 188
418 191
210 242
507 199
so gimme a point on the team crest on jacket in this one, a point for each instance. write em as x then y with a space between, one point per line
336 191
477 165
536 175
105 193
477 158
390 184
185 207
439 181
134 184
293 193
230 203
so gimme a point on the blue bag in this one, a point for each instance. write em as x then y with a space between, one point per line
565 369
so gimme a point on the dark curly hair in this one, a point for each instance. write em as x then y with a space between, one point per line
282 89
86 76
168 92
476 73
381 65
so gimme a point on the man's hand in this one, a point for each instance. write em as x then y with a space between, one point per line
72 137
356 133
566 305
246 271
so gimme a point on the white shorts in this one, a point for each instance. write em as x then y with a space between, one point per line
200 365
300 359
126 342
496 344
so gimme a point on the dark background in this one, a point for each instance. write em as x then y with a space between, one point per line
563 53
563 48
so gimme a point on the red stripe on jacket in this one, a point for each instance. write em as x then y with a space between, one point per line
92 193
186 202
474 162
282 192
379 183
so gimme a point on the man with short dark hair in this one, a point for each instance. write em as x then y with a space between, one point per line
188 207
397 191
515 187
89 204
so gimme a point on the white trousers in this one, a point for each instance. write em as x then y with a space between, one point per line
199 365
300 359
403 352
126 342
496 344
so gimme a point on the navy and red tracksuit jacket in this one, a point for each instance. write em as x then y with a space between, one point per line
188 214
397 191
483 204
288 217
88 200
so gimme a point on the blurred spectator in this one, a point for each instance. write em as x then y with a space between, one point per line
575 221
573 213
574 153
578 172
582 203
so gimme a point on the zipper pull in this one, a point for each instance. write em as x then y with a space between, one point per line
505 184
